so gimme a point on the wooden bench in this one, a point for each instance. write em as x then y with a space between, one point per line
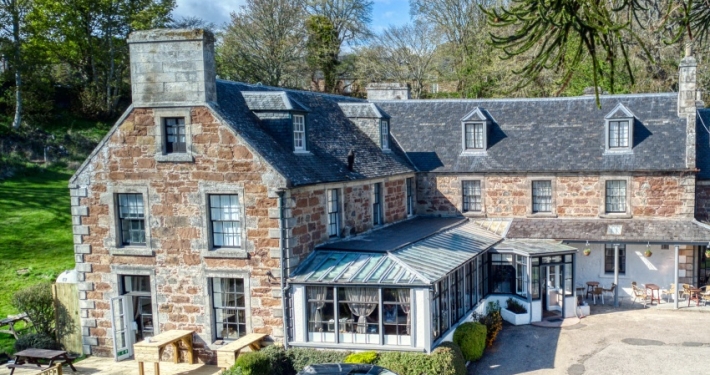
53 370
151 349
227 354
10 322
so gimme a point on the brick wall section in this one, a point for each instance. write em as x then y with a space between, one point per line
308 222
574 196
357 212
176 220
395 200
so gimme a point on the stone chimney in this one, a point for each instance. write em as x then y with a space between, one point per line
172 67
688 95
387 91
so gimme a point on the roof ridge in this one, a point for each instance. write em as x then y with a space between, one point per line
295 91
551 99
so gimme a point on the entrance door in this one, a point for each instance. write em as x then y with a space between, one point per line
703 267
553 291
122 346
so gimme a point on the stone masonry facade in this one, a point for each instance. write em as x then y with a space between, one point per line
177 254
653 196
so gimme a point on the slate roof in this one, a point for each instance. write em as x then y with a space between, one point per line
636 230
271 101
702 146
361 110
540 135
330 136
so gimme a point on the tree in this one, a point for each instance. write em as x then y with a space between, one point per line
12 17
402 53
323 51
264 42
562 34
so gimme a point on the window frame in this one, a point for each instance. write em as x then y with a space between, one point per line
620 196
385 134
212 221
333 215
121 231
464 210
161 154
622 256
114 241
550 203
303 148
377 202
182 146
409 195
630 122
483 138
205 243
209 273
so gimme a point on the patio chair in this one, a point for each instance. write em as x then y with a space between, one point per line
670 292
685 292
598 292
609 291
705 294
640 294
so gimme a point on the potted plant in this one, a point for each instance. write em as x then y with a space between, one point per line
647 253
515 313
586 251
707 252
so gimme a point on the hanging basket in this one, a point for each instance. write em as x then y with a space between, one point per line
647 253
707 253
586 252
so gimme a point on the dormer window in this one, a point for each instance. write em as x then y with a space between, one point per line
619 126
474 136
474 129
299 133
385 134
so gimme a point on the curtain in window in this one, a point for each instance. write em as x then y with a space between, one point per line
364 302
403 297
316 296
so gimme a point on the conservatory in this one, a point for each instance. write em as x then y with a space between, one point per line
407 286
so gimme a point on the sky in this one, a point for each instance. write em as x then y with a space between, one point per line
384 12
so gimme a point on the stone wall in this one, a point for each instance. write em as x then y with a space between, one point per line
176 255
395 199
653 195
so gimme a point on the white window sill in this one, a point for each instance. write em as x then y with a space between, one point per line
616 216
477 214
132 251
302 152
174 158
474 153
226 253
622 151
541 215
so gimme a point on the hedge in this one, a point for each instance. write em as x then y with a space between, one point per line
252 363
471 338
302 357
363 357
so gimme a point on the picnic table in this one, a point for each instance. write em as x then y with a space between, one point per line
151 349
29 359
228 353
10 322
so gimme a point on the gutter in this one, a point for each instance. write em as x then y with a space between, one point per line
283 238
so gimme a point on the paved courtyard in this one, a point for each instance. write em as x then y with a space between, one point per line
107 366
629 340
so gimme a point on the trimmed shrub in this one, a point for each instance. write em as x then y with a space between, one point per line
444 360
363 357
302 357
449 359
514 306
253 363
471 338
280 363
37 341
493 322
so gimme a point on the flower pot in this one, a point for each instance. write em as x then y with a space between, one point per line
707 254
648 253
515 319
586 252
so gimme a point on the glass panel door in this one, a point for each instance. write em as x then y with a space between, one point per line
122 348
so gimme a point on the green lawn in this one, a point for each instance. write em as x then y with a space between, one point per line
35 233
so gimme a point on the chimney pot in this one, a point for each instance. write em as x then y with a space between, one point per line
387 91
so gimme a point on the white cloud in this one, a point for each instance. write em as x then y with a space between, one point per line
216 11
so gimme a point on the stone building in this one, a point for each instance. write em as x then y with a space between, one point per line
329 221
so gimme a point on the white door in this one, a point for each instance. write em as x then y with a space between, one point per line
122 347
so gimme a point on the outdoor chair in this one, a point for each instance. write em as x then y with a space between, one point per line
598 292
705 294
609 291
670 292
640 294
685 293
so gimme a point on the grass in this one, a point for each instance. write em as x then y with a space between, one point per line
35 233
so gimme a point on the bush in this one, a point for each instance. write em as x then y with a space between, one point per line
37 341
363 357
515 307
471 338
302 357
37 301
253 363
493 322
280 363
444 360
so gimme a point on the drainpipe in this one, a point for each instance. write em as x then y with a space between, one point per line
676 261
616 274
283 244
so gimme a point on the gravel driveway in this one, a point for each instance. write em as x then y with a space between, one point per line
632 341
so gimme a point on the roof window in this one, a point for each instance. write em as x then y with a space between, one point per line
619 129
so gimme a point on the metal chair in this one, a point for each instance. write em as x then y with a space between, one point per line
598 292
639 294
610 291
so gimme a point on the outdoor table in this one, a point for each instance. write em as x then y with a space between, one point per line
657 289
151 349
590 287
31 356
694 295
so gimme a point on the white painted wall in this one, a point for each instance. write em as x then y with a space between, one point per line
299 312
421 320
536 311
658 269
